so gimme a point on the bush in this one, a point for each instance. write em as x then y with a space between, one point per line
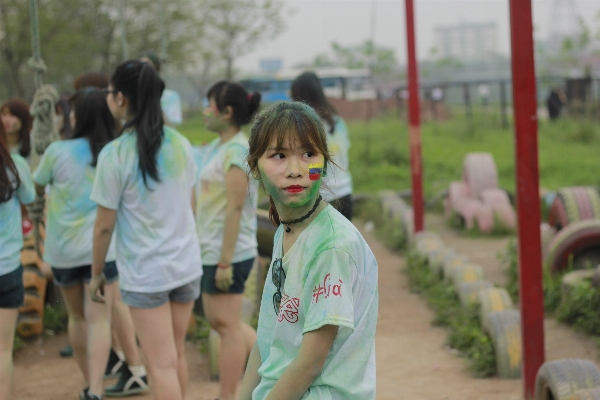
579 307
201 333
389 230
465 333
55 319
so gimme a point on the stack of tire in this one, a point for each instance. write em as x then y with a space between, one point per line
499 319
572 234
395 209
477 199
31 314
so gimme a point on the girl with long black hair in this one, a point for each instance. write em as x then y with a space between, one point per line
337 184
16 188
144 186
69 167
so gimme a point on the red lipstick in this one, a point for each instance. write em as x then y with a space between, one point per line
294 189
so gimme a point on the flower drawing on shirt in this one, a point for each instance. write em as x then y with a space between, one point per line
289 309
327 289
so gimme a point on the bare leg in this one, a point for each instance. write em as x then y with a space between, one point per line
249 337
8 316
181 313
223 312
125 332
154 327
77 327
97 316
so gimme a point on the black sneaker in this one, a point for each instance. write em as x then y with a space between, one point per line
66 351
127 385
114 366
85 395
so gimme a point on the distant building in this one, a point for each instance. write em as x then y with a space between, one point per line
467 41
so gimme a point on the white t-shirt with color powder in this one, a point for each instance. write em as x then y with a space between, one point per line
212 201
11 231
331 279
157 245
71 214
338 179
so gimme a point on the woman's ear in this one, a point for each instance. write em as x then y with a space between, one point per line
228 113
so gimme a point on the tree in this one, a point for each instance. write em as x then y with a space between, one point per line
233 28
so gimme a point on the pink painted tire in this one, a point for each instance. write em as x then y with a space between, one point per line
457 191
479 172
506 215
574 204
484 216
467 209
494 198
575 240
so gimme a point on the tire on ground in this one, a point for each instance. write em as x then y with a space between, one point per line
574 278
574 204
466 273
427 245
491 300
571 241
586 394
457 191
479 172
450 262
435 260
467 292
559 379
504 329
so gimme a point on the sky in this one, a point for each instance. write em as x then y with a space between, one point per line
313 24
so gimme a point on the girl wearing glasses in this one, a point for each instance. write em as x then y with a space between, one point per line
316 332
16 188
226 224
144 186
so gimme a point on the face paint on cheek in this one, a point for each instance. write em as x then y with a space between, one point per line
270 187
315 171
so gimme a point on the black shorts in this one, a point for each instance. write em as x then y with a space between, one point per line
12 292
68 277
241 270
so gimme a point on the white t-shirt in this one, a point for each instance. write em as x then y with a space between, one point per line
331 279
157 246
212 201
11 231
338 180
170 102
66 167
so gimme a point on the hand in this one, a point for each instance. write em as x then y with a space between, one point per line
224 278
97 285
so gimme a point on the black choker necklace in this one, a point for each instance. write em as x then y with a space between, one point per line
288 223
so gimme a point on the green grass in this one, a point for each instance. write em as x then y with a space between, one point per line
379 156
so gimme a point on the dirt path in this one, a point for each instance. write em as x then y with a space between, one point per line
412 361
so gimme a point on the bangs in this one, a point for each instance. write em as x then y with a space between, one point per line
297 128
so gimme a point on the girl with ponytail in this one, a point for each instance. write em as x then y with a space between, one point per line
16 188
144 187
226 224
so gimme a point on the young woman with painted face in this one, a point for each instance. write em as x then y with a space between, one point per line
337 184
69 167
144 186
226 225
16 188
316 327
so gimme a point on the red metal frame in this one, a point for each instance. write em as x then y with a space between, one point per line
414 119
528 199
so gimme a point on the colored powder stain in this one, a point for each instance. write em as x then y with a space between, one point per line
315 171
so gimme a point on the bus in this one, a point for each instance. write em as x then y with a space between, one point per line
338 83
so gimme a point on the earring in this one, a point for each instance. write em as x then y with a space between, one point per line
255 176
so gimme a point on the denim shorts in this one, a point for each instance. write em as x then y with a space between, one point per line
12 292
69 277
182 294
241 270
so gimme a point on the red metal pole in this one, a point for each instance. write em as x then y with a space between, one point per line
414 119
528 198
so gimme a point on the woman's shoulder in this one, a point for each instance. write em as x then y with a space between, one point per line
19 161
334 231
